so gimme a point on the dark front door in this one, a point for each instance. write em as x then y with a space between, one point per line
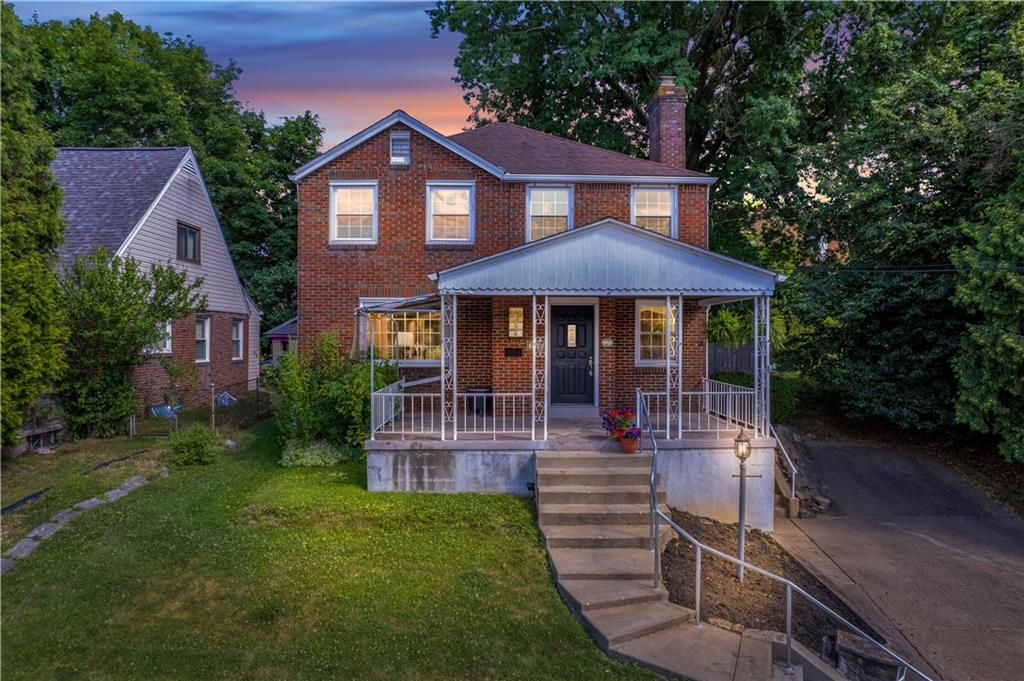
572 355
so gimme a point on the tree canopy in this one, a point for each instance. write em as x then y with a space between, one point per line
32 324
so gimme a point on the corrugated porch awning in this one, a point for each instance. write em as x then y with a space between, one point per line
609 258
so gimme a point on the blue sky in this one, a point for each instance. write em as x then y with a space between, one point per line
351 63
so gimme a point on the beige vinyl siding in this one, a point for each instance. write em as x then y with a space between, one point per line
156 242
253 344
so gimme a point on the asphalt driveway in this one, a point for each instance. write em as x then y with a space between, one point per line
908 539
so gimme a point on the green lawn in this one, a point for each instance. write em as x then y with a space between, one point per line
245 570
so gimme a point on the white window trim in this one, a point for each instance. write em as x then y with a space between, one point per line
529 200
404 135
164 349
335 184
651 302
450 184
206 333
364 339
674 230
240 325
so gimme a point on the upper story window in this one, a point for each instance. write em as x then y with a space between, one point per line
655 208
202 339
354 212
401 148
450 212
163 346
549 211
237 336
188 243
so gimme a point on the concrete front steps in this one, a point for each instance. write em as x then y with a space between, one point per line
594 514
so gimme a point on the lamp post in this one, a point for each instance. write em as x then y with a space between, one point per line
741 448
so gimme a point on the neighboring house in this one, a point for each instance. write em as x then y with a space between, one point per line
521 280
283 336
151 204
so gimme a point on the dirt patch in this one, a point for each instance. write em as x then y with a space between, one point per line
759 602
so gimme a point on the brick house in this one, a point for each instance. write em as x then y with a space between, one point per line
521 281
151 204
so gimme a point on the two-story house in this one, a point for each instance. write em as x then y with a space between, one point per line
151 205
521 281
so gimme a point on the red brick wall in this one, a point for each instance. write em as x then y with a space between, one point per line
332 278
151 381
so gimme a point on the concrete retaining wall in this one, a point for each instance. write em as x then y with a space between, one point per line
446 470
701 481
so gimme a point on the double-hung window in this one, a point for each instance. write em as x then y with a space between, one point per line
548 211
655 208
410 338
162 346
237 337
202 339
650 333
450 208
353 212
188 243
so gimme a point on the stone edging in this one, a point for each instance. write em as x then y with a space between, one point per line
27 544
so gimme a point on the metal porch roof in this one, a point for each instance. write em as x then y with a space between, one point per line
608 257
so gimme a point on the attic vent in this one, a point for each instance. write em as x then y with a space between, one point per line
190 166
400 148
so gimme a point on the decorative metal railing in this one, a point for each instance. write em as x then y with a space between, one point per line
493 413
716 408
647 432
395 411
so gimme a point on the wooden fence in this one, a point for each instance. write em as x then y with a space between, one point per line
730 358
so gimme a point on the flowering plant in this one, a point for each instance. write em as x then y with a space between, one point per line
620 424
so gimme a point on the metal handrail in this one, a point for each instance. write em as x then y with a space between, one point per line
789 462
644 421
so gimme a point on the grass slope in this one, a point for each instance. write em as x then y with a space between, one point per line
245 570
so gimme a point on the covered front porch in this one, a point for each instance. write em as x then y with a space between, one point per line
532 342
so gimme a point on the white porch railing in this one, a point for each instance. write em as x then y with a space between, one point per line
716 408
493 413
394 411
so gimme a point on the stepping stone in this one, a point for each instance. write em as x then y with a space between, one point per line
65 516
89 503
44 531
132 483
115 494
5 565
23 549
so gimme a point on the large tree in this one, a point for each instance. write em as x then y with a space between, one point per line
32 325
110 82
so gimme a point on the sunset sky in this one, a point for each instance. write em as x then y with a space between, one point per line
351 63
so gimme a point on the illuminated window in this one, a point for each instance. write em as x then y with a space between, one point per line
354 212
549 211
450 212
650 332
409 337
515 322
654 208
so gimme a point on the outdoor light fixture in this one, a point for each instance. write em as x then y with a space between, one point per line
741 448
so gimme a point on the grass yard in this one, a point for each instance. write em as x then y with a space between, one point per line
245 570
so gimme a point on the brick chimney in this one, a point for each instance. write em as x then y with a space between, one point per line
667 119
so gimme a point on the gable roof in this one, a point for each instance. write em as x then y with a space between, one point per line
286 328
108 191
523 151
604 258
512 152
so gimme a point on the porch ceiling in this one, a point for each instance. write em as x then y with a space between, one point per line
608 257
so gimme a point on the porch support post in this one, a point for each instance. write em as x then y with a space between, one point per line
540 367
756 347
765 366
533 367
670 348
544 350
373 398
679 367
447 349
455 367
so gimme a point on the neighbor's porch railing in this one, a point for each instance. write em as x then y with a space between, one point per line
647 432
716 408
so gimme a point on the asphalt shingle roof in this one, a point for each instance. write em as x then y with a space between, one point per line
107 190
521 150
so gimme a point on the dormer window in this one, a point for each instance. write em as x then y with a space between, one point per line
401 151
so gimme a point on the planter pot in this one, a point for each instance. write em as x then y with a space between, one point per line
629 446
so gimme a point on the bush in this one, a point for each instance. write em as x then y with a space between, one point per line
313 454
325 397
196 445
783 392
